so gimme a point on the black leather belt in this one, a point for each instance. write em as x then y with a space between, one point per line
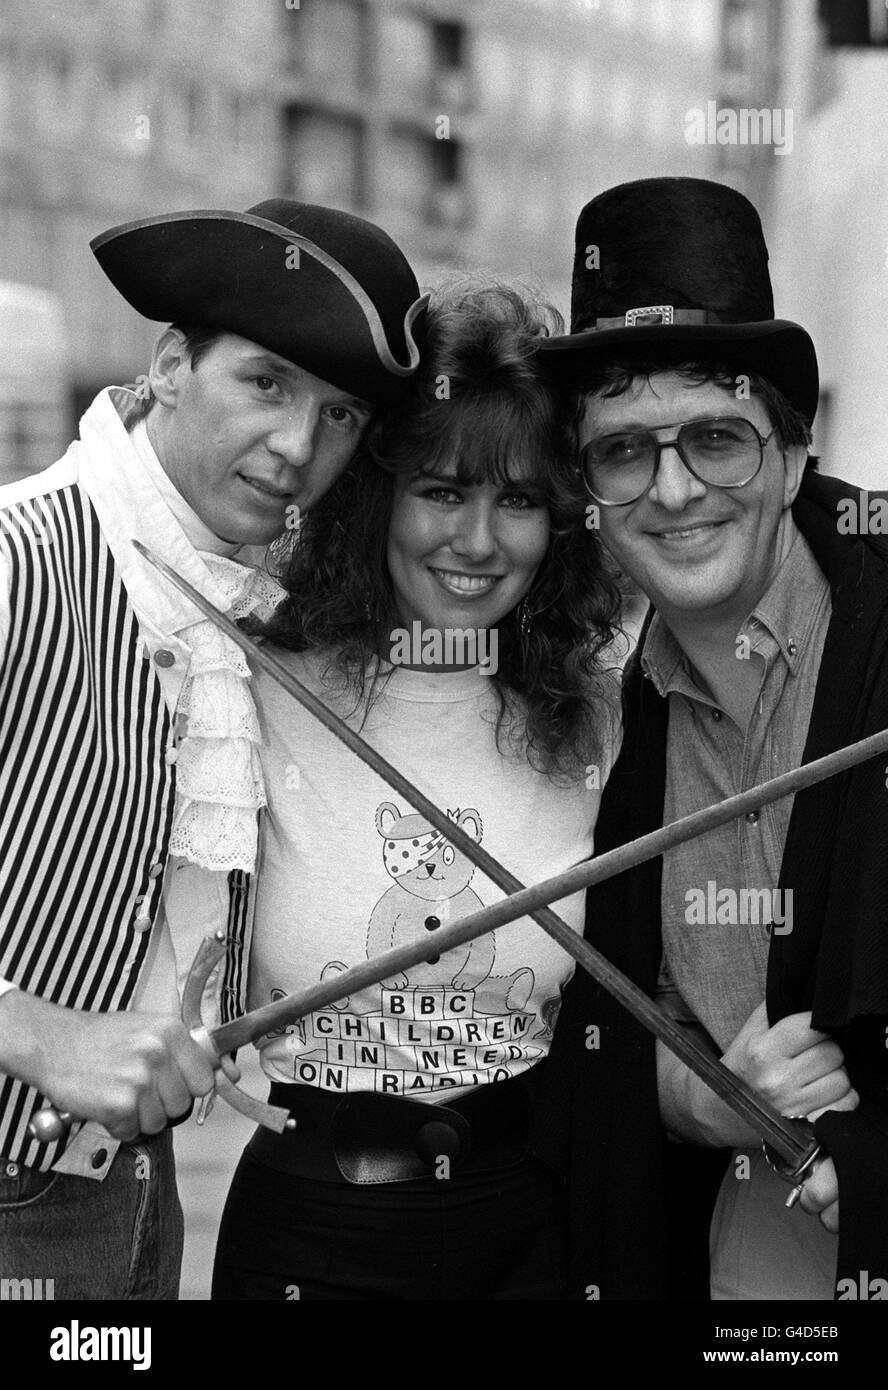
368 1138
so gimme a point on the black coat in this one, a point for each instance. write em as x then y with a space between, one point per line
641 1206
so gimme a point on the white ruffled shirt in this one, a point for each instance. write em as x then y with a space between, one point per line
219 785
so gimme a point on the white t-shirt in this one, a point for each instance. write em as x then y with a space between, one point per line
348 870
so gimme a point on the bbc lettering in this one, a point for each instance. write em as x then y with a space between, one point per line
419 1040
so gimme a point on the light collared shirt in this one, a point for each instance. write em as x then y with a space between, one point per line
719 966
719 901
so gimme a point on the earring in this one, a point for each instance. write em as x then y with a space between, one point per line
525 623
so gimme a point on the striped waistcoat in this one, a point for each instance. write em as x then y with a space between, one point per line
86 796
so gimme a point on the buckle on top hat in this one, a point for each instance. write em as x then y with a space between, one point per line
644 315
651 313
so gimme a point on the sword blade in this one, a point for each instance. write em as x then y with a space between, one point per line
779 1131
784 1135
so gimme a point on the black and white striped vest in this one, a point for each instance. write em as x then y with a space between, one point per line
86 797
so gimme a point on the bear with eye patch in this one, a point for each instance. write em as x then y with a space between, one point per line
430 887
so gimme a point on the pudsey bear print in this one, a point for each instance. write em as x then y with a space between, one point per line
430 887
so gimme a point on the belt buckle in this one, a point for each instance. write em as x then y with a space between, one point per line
441 1141
377 1143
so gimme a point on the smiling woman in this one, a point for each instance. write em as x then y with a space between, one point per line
462 517
464 508
462 557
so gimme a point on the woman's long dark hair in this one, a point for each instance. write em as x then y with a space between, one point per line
480 400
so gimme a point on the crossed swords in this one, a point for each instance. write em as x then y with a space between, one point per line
790 1140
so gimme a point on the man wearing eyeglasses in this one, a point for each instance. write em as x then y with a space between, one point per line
763 649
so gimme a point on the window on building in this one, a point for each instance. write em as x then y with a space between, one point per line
854 23
424 178
407 55
446 162
324 159
405 173
449 45
739 25
328 38
451 63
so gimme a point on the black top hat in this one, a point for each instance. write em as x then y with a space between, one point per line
679 267
324 289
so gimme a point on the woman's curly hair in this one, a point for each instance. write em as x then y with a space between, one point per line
480 401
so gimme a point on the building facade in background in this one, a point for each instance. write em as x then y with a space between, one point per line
112 110
831 225
472 130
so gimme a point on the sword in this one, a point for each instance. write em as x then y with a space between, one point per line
790 1139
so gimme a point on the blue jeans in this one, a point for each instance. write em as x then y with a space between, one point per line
117 1239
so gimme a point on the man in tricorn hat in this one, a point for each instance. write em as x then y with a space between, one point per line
129 780
763 649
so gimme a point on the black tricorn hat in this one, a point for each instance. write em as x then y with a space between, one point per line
322 288
678 268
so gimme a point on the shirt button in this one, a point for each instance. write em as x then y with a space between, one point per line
99 1158
156 870
141 924
752 817
164 658
12 1170
716 714
791 647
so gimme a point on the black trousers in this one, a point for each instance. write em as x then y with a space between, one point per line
491 1235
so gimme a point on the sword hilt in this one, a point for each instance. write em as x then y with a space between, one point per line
48 1124
796 1172
210 952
